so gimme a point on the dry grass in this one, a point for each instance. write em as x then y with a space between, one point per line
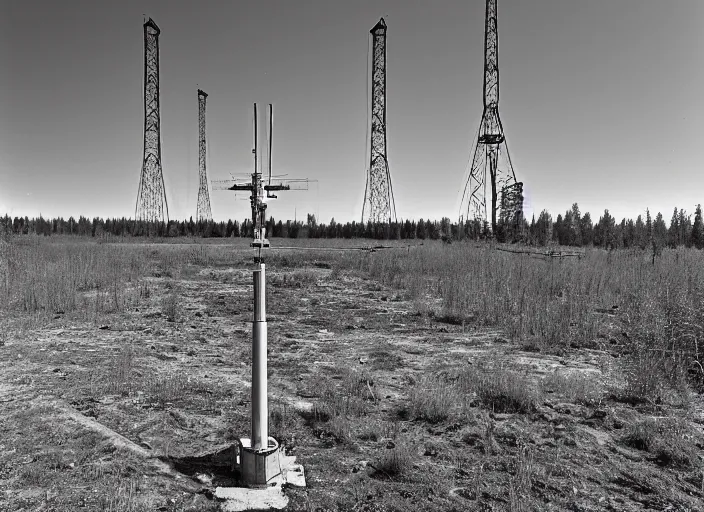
51 277
554 304
501 390
577 387
395 461
433 399
551 305
670 440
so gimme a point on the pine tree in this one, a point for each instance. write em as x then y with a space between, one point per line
543 228
640 233
576 225
698 228
684 222
587 229
607 231
659 231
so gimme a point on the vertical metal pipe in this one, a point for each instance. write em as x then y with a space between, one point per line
260 410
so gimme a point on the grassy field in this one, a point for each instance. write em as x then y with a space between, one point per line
424 377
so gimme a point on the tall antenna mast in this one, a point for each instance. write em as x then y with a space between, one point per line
203 212
491 165
379 205
260 459
151 195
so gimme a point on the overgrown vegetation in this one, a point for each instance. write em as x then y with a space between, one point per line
653 312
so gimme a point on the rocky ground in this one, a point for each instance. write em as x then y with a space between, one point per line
386 408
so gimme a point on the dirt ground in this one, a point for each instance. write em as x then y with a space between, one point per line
140 409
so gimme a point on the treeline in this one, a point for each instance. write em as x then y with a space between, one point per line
571 229
577 230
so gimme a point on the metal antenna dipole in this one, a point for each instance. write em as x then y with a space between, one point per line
379 205
203 212
151 195
491 165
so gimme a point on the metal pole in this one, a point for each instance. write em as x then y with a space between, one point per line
260 425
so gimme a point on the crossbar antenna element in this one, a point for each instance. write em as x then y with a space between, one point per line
151 195
203 212
491 177
378 205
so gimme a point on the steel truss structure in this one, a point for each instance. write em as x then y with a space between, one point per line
203 212
151 195
491 176
379 205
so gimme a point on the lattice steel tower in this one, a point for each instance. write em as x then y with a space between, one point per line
379 205
151 196
491 162
203 212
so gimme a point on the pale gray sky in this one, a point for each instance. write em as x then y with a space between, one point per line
601 101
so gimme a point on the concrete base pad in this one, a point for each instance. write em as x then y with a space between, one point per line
241 498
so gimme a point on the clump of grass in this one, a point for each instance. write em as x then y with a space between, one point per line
165 389
432 399
384 356
521 483
336 273
170 306
300 278
341 402
281 420
124 497
577 387
395 461
501 390
670 440
119 380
